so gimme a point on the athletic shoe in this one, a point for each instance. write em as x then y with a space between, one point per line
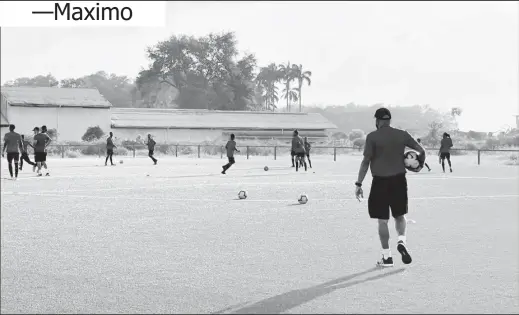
451 170
402 249
155 163
20 169
385 262
47 174
39 174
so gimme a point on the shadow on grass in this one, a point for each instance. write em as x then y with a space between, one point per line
286 301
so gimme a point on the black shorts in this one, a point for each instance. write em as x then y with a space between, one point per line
292 153
386 193
109 151
40 156
13 156
308 154
445 155
231 159
300 155
150 152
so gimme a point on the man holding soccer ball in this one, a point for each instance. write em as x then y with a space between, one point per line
384 153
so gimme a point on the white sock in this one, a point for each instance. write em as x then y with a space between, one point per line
386 253
402 238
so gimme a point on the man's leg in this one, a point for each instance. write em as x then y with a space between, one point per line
111 155
21 161
292 155
449 161
427 166
10 164
309 161
443 163
107 157
378 208
399 208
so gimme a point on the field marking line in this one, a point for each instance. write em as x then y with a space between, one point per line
304 182
249 200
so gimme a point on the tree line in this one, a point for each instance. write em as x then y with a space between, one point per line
188 72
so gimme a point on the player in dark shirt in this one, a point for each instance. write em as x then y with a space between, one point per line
47 143
13 146
308 146
445 151
231 148
299 148
151 147
384 154
40 141
110 149
25 155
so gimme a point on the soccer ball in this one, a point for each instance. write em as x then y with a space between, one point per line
303 199
121 162
266 168
242 194
411 161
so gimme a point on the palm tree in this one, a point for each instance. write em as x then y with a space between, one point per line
301 77
287 71
290 95
266 81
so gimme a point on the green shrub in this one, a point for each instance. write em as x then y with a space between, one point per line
93 133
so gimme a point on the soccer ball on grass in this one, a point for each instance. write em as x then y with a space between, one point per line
266 168
303 199
242 194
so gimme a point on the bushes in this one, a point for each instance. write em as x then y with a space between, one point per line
92 134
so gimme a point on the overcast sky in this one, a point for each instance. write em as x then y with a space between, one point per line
445 54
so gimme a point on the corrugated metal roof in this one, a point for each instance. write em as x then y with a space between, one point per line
204 119
54 97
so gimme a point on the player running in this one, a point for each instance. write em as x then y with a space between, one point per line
299 148
383 152
231 148
40 142
151 147
110 149
47 142
308 146
25 155
13 146
445 151
420 142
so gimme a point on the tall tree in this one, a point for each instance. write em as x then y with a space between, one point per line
301 77
288 72
267 79
456 112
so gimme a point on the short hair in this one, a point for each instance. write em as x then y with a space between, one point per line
23 137
36 129
111 133
418 139
43 127
296 132
232 135
383 114
11 127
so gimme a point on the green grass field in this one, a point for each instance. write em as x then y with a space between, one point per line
173 238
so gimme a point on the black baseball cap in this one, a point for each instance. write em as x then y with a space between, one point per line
383 114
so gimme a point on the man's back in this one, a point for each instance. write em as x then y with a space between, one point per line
13 141
445 145
40 142
298 144
231 147
385 147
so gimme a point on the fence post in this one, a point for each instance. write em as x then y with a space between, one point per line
479 157
133 150
334 154
62 151
98 152
221 152
247 152
198 151
275 152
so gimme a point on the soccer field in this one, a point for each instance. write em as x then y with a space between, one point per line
174 238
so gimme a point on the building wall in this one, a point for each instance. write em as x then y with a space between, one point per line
70 122
169 135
